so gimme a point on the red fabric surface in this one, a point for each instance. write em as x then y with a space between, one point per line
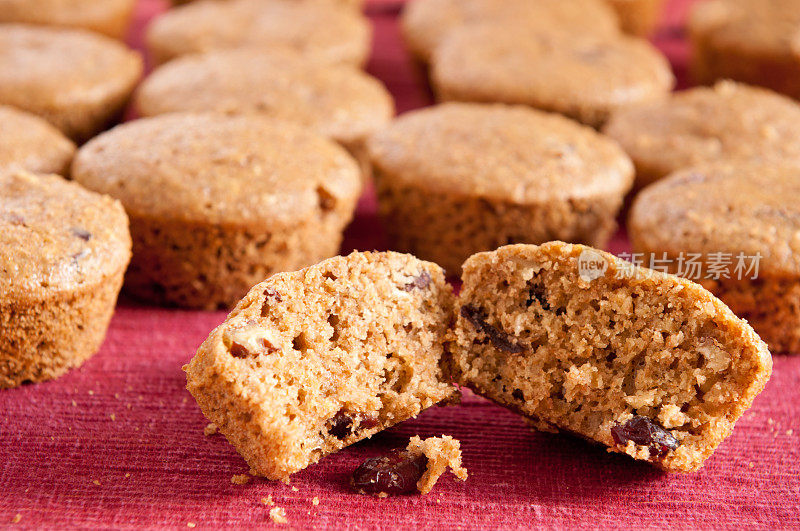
119 442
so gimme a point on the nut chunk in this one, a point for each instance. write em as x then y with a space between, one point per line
418 467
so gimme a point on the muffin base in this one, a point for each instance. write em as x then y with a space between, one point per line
211 267
771 306
448 229
42 339
780 73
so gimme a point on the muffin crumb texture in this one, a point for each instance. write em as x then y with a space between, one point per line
648 364
312 361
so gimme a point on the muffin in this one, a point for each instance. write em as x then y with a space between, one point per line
645 363
238 199
358 4
109 17
703 125
585 78
321 30
638 17
740 223
337 101
753 41
76 80
29 143
313 361
63 252
460 178
425 23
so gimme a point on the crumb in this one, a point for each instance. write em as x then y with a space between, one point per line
315 501
770 421
16 519
295 489
789 432
191 524
128 405
91 392
184 400
267 500
96 482
240 479
751 464
278 515
116 395
113 417
127 474
74 404
210 429
442 452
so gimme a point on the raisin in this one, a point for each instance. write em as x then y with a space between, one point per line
422 281
239 351
644 432
537 293
16 219
500 340
84 235
340 425
395 473
269 293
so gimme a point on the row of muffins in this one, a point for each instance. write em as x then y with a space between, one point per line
452 180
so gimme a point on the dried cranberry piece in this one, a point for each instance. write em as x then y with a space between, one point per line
239 351
500 340
422 281
368 421
395 473
644 432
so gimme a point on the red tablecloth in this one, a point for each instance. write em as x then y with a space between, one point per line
119 442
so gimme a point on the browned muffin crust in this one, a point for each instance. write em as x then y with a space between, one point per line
753 41
725 214
337 101
322 30
27 142
703 125
109 17
240 198
426 23
583 77
63 253
76 80
460 178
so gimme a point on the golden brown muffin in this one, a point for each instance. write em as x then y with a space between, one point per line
29 143
703 125
320 30
426 23
754 41
585 78
646 363
313 361
337 101
109 17
74 79
740 223
63 252
460 178
218 203
638 17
